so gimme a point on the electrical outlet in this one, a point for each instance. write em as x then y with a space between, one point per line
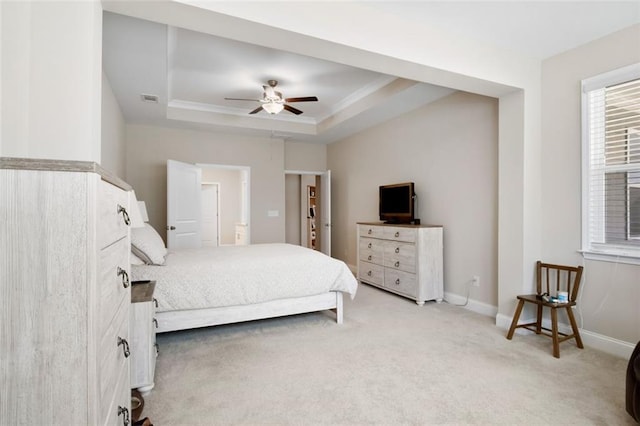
475 281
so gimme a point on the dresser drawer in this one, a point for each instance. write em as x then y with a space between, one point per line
371 250
398 233
400 255
371 273
401 281
113 275
111 216
371 231
111 354
117 409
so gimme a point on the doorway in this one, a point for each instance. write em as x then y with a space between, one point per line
210 217
232 216
207 205
308 209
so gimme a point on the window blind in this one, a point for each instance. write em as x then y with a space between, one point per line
613 216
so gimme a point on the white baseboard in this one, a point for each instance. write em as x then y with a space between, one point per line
593 340
472 305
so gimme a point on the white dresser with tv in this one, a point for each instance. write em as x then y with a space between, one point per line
403 259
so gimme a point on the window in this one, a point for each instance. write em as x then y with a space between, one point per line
611 165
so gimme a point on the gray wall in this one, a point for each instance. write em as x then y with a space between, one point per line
450 150
307 157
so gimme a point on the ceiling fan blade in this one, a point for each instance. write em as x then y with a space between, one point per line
256 110
303 99
242 99
292 109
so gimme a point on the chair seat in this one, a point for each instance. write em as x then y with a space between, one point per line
534 298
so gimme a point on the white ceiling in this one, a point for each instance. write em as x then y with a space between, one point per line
192 73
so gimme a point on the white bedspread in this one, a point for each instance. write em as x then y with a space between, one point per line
240 275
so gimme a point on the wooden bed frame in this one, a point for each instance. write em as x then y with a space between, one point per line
194 318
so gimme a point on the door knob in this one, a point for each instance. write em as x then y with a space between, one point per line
170 228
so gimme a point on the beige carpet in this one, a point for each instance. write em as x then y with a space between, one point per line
391 362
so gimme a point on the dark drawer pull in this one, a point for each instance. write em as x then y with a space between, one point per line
155 301
124 412
125 277
397 250
155 345
369 257
397 281
369 231
155 321
397 234
397 264
369 245
125 346
369 273
125 215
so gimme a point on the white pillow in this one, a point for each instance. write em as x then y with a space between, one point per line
147 244
135 260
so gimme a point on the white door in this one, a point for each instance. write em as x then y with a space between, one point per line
183 205
325 206
210 221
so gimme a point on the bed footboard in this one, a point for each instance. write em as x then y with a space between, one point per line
195 318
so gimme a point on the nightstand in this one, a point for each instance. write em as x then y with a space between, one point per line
144 349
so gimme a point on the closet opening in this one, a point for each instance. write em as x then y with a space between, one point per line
308 210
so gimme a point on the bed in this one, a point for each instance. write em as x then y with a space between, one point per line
227 284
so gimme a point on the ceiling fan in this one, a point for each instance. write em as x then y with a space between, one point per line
273 102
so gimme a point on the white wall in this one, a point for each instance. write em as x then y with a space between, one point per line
450 150
610 300
149 148
51 79
1 72
113 157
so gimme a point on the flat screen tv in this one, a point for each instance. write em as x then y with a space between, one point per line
397 203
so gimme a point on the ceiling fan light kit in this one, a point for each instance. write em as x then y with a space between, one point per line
273 102
273 107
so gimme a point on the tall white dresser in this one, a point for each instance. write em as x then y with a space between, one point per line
403 259
64 294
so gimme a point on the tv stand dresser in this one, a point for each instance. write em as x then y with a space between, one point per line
403 259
